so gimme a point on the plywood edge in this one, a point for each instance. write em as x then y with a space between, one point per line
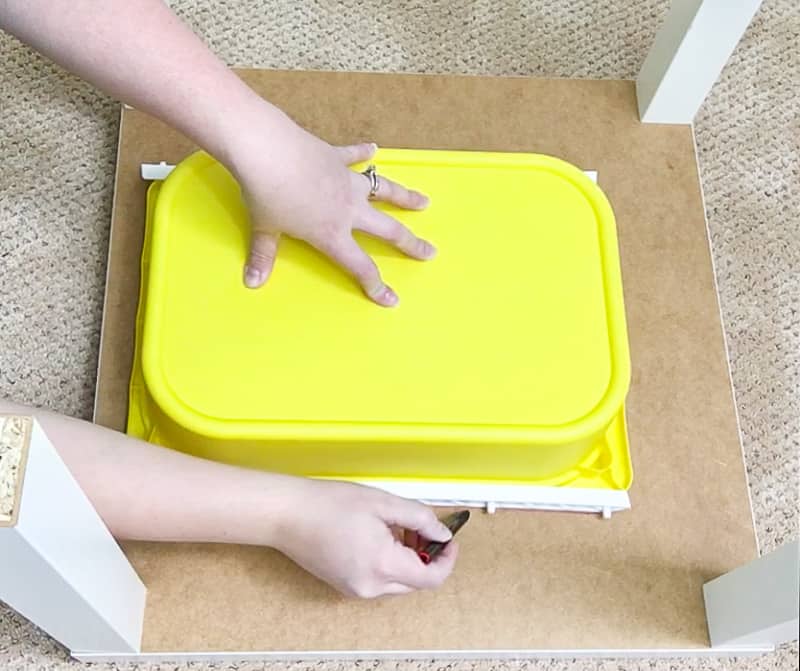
492 497
15 455
288 656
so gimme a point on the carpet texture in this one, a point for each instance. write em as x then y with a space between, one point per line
57 152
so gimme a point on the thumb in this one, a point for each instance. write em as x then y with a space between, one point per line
263 249
417 517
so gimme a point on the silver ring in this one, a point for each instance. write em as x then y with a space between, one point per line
372 175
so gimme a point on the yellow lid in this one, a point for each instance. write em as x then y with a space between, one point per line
514 333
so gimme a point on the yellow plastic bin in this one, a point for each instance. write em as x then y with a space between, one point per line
506 361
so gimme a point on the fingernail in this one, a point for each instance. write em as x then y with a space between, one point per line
374 147
446 533
423 200
389 298
428 250
253 278
382 294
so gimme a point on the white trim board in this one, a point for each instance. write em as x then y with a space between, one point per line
59 565
424 655
494 496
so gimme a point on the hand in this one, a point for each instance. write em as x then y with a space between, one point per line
301 186
347 535
293 182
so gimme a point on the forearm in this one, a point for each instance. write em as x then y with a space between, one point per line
141 53
147 492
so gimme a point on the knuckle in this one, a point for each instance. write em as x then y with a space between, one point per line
416 513
427 517
364 589
388 190
329 238
406 197
416 245
397 232
420 247
435 582
383 567
259 257
324 243
411 244
366 271
361 188
355 198
384 505
332 230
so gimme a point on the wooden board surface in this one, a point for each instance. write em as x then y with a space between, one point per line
524 580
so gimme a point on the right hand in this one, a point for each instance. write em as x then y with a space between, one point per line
350 536
298 185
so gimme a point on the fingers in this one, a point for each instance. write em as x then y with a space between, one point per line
407 569
351 257
357 153
415 516
396 194
383 226
263 249
400 571
388 191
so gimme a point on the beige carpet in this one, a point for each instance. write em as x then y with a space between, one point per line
57 151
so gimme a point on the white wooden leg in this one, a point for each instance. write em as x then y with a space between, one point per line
757 603
59 565
689 52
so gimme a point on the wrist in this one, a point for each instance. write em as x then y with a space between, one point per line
251 128
263 504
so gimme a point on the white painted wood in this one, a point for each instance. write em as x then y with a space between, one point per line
758 603
59 565
493 496
287 656
689 52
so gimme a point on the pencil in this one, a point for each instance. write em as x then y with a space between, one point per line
453 522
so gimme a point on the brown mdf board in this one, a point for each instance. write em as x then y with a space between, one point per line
524 580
